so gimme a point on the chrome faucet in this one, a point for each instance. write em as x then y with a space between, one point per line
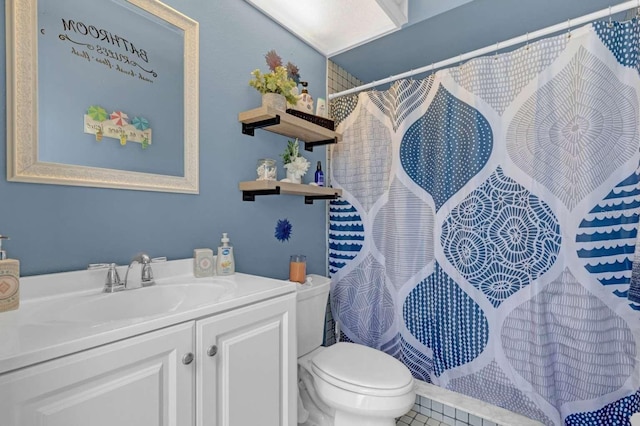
112 282
146 274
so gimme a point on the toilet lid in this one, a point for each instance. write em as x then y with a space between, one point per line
361 369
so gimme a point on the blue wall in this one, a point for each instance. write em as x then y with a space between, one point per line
59 228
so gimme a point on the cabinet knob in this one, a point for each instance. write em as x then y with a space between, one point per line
213 349
187 358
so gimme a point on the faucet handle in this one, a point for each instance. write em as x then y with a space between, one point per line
112 275
147 275
146 278
112 282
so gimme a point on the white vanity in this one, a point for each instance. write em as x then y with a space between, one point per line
187 351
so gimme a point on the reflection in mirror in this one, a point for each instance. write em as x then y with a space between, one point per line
111 99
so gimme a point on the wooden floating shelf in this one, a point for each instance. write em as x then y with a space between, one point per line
288 125
271 187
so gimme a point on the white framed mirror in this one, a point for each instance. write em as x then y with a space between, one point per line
102 94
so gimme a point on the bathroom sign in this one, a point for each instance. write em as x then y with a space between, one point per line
106 49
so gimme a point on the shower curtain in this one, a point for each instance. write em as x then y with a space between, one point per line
488 225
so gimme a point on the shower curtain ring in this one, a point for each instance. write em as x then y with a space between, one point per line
526 45
568 28
610 24
496 54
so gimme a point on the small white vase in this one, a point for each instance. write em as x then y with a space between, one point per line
275 101
291 176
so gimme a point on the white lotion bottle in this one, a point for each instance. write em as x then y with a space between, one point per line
225 264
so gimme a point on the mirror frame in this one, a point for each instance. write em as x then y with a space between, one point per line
22 109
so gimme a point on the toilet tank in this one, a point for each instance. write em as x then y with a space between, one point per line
311 307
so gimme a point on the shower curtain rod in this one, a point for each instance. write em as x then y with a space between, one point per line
501 45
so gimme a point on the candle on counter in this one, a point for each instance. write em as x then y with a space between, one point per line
298 268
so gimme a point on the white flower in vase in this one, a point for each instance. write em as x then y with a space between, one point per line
297 168
294 163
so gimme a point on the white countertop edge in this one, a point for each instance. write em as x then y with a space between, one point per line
473 406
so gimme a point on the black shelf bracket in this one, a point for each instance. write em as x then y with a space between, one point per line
308 146
308 199
251 195
248 128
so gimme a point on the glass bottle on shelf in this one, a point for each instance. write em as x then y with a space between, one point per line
319 177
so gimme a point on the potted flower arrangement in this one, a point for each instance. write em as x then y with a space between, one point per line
295 163
279 86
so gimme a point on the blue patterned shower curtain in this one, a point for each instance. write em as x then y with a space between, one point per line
488 225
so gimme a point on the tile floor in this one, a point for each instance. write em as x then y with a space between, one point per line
416 419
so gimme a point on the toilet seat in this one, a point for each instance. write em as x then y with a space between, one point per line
362 370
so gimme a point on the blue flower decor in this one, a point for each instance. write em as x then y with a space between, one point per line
283 230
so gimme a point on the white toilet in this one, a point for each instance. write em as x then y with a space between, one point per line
345 384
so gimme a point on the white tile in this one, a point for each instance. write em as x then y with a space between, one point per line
433 422
475 420
461 423
462 415
406 419
437 416
417 423
449 411
449 420
401 423
487 423
436 406
425 411
421 418
425 402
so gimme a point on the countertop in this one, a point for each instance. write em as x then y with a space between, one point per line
40 331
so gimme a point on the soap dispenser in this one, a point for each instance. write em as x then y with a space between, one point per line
305 101
9 281
225 264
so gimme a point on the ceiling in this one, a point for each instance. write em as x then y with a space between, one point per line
334 26
468 26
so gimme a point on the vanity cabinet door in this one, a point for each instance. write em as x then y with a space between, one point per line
246 372
140 381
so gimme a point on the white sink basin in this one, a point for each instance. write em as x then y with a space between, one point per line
144 302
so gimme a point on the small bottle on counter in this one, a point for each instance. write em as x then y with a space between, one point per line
9 281
225 264
319 177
